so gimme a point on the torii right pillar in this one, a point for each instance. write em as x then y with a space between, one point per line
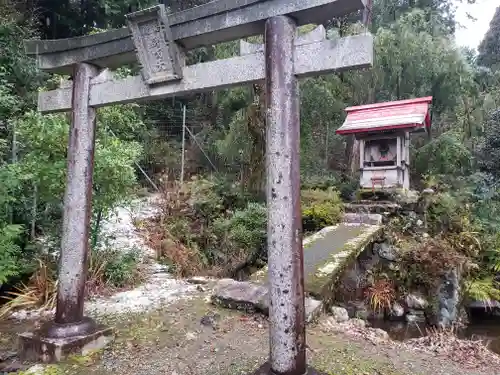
287 333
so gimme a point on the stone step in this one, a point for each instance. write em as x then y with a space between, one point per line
372 207
362 218
252 297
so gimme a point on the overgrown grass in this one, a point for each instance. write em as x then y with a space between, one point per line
109 270
461 232
210 226
380 295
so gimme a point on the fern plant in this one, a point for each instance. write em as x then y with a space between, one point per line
9 251
482 290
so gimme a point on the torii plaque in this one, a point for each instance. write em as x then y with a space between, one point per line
158 41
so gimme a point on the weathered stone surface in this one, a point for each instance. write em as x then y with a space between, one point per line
327 253
313 309
407 197
317 35
342 252
252 297
380 334
339 314
386 251
240 295
448 294
33 347
358 323
159 56
397 311
215 22
372 207
309 59
416 301
362 218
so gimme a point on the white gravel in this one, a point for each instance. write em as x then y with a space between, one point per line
119 230
160 287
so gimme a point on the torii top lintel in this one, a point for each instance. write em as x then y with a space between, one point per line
410 115
215 22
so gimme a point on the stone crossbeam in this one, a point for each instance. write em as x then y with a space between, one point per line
216 22
311 59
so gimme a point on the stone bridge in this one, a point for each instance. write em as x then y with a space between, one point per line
327 254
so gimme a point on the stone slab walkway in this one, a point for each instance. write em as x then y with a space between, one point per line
327 252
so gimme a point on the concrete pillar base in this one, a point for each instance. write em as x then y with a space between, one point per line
44 346
265 369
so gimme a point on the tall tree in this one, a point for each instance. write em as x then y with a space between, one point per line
489 49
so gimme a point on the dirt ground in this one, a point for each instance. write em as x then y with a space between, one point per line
193 337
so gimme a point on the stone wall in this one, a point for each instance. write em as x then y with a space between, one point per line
381 260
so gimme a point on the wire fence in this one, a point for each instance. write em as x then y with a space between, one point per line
186 143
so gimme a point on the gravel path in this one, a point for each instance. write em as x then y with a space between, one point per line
160 287
192 337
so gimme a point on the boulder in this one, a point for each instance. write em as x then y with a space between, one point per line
248 296
448 294
339 314
397 311
234 294
380 334
416 301
358 323
386 251
358 309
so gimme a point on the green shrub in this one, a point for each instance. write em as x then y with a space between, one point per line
320 209
121 268
181 230
322 182
446 212
315 196
447 154
204 199
245 230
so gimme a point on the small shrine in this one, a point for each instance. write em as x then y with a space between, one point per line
383 131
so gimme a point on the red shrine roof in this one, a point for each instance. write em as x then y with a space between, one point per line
412 114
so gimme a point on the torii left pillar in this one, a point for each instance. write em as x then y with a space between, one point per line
71 331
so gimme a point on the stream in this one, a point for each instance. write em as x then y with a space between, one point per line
486 330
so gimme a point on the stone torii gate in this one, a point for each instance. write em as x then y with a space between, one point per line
158 41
